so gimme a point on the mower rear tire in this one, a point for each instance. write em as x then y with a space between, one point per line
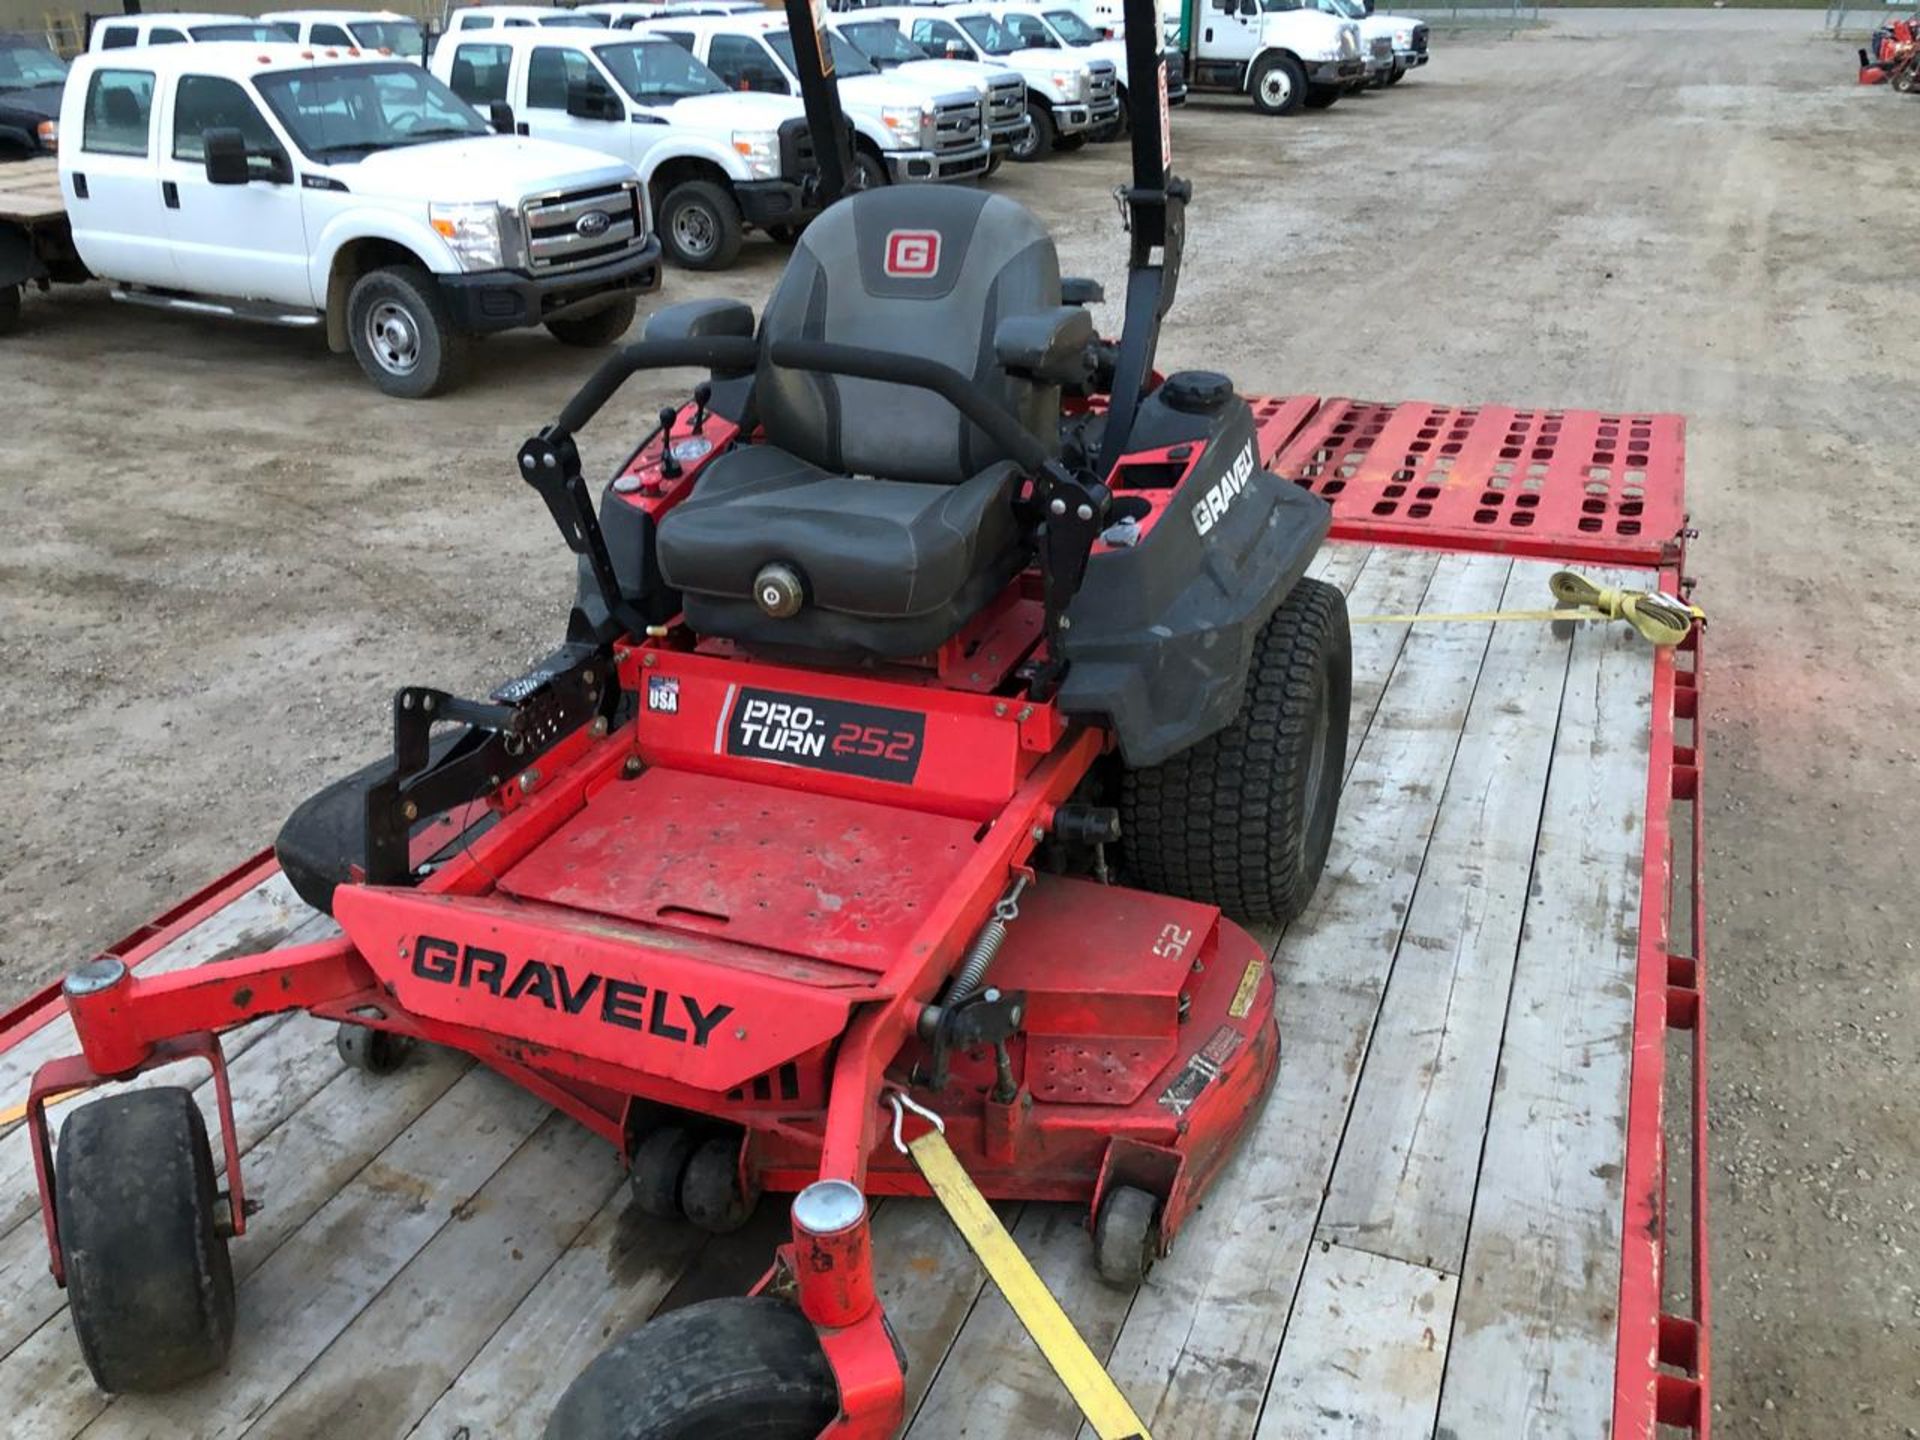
1126 1235
371 1051
601 328
659 1166
1278 85
743 1368
710 1192
1243 820
149 1280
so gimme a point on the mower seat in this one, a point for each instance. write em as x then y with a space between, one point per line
893 512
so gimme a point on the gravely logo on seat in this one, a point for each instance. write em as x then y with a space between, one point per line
667 1014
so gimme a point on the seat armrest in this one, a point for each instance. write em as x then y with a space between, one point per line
699 319
1054 346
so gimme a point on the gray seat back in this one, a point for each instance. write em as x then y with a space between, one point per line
926 270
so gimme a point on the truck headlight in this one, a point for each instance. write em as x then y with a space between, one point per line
909 125
1072 84
49 133
761 150
1403 39
471 231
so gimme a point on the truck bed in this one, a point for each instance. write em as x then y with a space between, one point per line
1448 1218
30 191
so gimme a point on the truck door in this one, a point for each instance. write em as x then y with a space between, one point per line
1229 30
569 100
112 188
245 242
479 73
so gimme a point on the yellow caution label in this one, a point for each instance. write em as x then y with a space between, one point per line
1249 987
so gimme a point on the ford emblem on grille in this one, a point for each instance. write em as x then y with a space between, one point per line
594 222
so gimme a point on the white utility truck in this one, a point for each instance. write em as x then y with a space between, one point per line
715 160
260 182
1282 54
904 130
1040 22
1002 91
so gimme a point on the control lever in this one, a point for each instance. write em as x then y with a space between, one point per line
702 397
669 467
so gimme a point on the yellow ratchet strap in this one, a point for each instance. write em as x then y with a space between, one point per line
1660 619
1079 1370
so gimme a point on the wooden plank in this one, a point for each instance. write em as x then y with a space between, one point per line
929 1282
1364 1350
293 1172
1403 1182
402 1352
608 1280
30 190
994 1380
1198 1348
1534 1336
304 1294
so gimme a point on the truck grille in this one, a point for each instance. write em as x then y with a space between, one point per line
1006 103
1382 47
1105 83
956 125
555 240
1419 39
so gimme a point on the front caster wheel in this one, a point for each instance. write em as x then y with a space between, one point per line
1126 1235
375 1052
746 1368
710 1193
659 1165
149 1281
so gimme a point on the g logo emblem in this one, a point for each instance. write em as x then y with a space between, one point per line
913 254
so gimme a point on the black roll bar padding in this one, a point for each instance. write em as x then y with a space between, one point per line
820 97
887 366
736 353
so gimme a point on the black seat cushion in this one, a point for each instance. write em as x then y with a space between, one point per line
920 557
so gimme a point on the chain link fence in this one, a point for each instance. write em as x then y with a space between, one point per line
1471 14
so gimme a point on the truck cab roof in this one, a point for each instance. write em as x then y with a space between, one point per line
515 17
125 32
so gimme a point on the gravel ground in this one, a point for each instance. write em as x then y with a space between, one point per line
224 550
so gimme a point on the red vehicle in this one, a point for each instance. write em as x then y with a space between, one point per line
1892 57
930 614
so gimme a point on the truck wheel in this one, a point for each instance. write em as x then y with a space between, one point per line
10 308
401 334
1037 143
1278 86
1321 97
700 225
871 171
1243 819
602 327
149 1281
1067 144
747 1367
1397 74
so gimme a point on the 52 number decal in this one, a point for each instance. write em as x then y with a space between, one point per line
875 742
1173 942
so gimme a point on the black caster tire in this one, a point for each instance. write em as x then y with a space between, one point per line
1244 819
710 1193
149 1280
1126 1236
659 1165
741 1368
371 1051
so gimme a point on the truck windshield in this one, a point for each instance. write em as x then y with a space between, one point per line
1031 31
1072 28
991 36
846 59
880 41
402 37
347 112
253 34
659 70
573 22
1343 9
28 67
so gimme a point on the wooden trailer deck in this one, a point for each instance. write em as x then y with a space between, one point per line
30 190
1421 1236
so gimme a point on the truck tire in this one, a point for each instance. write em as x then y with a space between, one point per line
600 327
870 171
1278 85
402 335
9 308
1397 74
700 225
1040 137
1243 819
1321 97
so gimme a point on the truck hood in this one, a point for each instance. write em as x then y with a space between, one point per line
875 90
950 74
503 168
1387 25
40 103
1303 26
734 110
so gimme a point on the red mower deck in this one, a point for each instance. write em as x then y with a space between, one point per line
1453 1215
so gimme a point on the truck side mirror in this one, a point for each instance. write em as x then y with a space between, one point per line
1249 8
1366 7
225 150
500 116
593 102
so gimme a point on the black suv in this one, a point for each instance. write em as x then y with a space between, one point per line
31 78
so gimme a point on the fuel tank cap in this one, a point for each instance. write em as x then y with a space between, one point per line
1197 392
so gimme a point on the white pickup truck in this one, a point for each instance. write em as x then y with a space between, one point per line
903 130
1393 44
359 195
1282 54
376 30
1047 23
715 161
1069 99
1002 90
